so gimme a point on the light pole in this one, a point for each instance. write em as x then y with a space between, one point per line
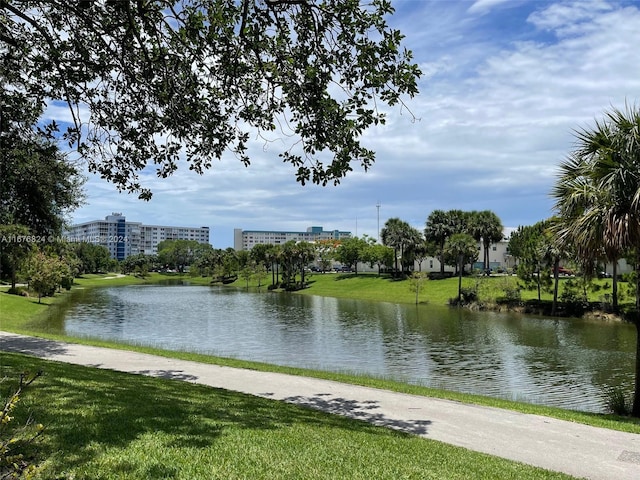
378 207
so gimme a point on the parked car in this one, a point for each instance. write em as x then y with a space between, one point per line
604 275
565 271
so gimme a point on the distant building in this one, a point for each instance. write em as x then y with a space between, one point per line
247 239
124 239
499 258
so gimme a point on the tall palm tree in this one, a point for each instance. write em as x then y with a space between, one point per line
464 249
394 234
598 196
584 207
441 225
436 231
485 227
412 243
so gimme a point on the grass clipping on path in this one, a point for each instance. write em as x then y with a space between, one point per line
106 425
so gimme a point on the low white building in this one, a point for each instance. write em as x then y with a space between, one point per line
499 258
124 239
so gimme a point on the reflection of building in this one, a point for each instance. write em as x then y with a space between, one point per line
247 239
123 238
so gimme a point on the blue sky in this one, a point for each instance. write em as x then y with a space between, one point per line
505 84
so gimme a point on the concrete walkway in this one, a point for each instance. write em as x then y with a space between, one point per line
578 450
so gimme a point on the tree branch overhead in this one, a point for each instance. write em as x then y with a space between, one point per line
164 80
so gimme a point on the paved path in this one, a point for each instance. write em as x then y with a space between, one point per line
579 450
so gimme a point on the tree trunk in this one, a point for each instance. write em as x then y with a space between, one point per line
556 267
13 276
614 288
635 411
486 256
460 280
395 254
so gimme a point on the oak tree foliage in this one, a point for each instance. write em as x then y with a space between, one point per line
148 82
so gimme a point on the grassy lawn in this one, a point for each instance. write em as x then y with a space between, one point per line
108 425
368 286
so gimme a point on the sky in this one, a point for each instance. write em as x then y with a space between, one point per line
505 86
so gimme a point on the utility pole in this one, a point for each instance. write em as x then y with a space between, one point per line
378 207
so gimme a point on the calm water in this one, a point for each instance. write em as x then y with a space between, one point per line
560 362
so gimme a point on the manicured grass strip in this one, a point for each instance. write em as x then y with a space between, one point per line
108 425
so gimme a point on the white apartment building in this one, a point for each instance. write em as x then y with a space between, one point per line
499 258
123 238
247 239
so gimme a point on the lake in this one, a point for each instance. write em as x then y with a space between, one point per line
553 361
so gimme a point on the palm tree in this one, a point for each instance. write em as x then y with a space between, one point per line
552 249
584 208
394 234
485 226
598 196
464 249
441 225
437 231
412 243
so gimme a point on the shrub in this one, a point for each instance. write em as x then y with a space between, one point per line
22 291
572 293
469 295
618 401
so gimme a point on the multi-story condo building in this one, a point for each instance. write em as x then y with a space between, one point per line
247 239
123 238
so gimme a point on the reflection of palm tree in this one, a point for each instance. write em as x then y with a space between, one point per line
598 197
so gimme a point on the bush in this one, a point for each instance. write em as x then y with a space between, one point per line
469 295
572 293
67 282
617 401
22 291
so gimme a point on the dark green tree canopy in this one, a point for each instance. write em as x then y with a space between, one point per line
38 183
150 81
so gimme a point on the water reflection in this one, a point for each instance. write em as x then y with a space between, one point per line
561 362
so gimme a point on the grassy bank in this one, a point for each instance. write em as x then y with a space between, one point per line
108 425
437 292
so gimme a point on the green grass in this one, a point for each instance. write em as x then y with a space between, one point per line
372 287
108 425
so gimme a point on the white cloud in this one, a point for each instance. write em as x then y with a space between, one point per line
484 6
